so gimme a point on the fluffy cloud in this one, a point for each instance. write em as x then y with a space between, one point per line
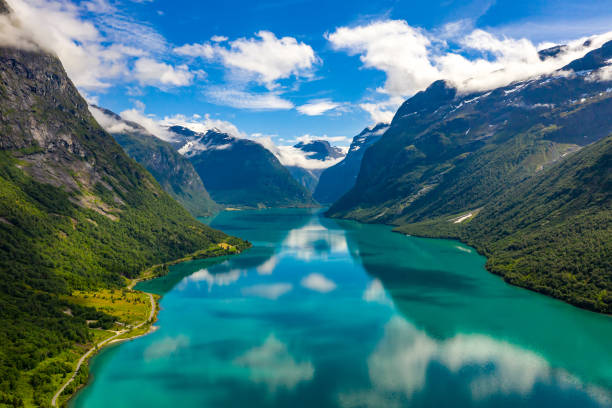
265 57
381 112
318 283
241 99
400 366
268 291
200 124
96 43
317 107
166 347
413 58
149 122
150 72
273 365
291 156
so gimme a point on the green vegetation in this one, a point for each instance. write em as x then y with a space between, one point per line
552 233
544 224
172 171
76 214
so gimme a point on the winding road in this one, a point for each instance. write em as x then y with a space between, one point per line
98 346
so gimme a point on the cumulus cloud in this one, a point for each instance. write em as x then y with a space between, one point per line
602 74
202 124
413 58
268 291
318 283
159 127
381 112
273 365
149 122
375 292
265 58
150 72
110 123
401 362
97 44
317 107
165 347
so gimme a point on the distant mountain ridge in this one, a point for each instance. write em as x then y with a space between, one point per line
172 171
240 172
316 151
336 180
446 154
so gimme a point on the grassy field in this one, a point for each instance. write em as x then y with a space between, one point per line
127 306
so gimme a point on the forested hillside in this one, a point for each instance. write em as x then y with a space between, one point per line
75 213
448 154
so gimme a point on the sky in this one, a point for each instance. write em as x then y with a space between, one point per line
289 70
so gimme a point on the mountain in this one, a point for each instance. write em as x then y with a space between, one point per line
240 172
336 180
75 213
318 155
446 154
172 171
551 233
320 150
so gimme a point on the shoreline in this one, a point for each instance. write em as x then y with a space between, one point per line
146 275
93 351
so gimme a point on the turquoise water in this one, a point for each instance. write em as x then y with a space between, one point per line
326 313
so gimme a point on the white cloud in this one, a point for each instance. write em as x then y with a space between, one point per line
401 362
149 122
241 99
268 267
109 123
291 156
216 279
150 72
318 283
97 43
375 292
201 124
165 347
273 365
413 58
268 291
263 58
602 74
317 107
380 112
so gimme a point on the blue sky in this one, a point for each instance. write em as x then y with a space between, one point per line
289 68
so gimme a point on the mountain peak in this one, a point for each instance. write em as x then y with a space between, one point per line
320 149
593 60
438 93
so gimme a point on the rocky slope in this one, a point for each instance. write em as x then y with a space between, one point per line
172 171
336 180
447 154
240 172
75 213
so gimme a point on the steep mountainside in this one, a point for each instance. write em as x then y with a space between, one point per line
321 155
446 154
335 181
172 171
551 233
75 212
240 172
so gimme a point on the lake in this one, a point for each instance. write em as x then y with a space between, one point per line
328 313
